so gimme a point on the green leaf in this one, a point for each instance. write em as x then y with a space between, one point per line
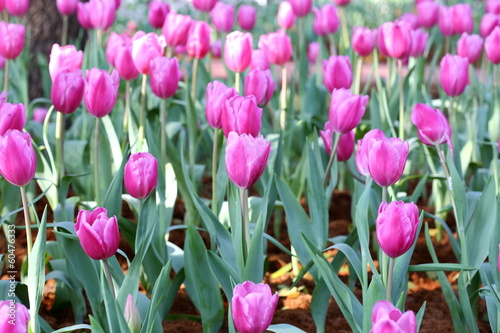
284 328
113 202
439 267
224 273
73 328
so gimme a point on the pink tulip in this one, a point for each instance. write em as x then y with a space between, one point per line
17 157
2 5
122 61
101 91
65 58
488 22
433 127
260 84
157 13
12 116
428 13
326 20
346 110
3 97
286 17
144 49
454 74
176 28
204 5
98 233
223 17
238 51
387 318
241 115
313 52
17 7
445 21
14 317
39 115
246 159
491 46
116 41
253 307
217 95
470 47
345 147
247 15
67 7
337 73
198 42
11 39
397 39
130 28
67 91
277 46
140 175
411 19
83 13
418 42
363 40
364 147
342 2
493 6
102 13
215 48
381 40
180 50
461 16
387 160
259 60
301 7
165 76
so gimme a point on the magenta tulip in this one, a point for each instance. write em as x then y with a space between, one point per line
461 17
326 20
337 73
247 15
246 159
286 17
411 19
67 91
470 47
83 13
157 13
238 51
223 17
217 95
101 91
364 147
454 74
387 160
17 7
313 52
493 6
14 317
491 46
428 13
433 127
176 28
141 174
346 110
488 23
418 42
253 307
241 115
165 76
397 39
122 62
102 13
260 84
39 115
381 40
198 42
17 157
301 7
145 47
259 60
445 21
98 233
387 318
2 5
204 5
65 58
342 2
363 40
11 39
277 47
215 48
12 116
67 7
345 147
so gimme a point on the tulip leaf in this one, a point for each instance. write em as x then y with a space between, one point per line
459 193
351 256
113 202
319 302
116 320
73 328
375 292
96 327
465 303
224 273
284 328
234 203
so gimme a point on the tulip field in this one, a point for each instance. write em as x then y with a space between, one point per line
250 166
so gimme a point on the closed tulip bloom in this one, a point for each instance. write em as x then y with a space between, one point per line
157 12
260 84
176 28
12 116
387 160
488 22
67 91
259 60
241 115
342 2
493 6
238 51
65 58
132 315
217 95
198 42
11 39
346 142
461 17
491 44
122 61
223 17
165 76
101 91
145 47
433 127
102 14
418 42
247 15
470 47
301 7
346 110
326 20
387 318
67 7
363 40
381 40
454 74
445 21
313 52
253 307
411 19
215 49
83 13
141 174
286 17
17 7
337 73
428 13
204 5
246 159
17 157
277 46
364 147
397 39
98 233
18 324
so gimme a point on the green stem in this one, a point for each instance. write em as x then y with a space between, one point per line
401 101
64 38
6 76
193 83
107 271
359 71
163 138
345 32
495 165
245 221
452 116
126 115
96 163
60 122
335 140
384 194
333 51
27 222
214 171
283 99
237 82
142 120
389 279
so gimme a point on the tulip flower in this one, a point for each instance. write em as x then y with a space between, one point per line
247 15
176 28
12 116
17 7
445 21
363 40
65 58
387 318
259 60
123 59
67 7
11 39
345 146
387 160
381 40
14 317
493 6
116 41
470 47
253 307
198 42
301 7
364 147
132 315
98 233
433 127
215 48
346 110
454 74
39 115
67 91
461 17
246 158
337 73
101 91
238 51
491 46
223 17
145 47
313 52
277 46
286 17
17 157
216 96
165 76
204 5
141 174
157 13
326 20
397 39
428 13
2 5
488 23
342 2
3 97
260 84
241 115
418 42
102 13
83 13
411 19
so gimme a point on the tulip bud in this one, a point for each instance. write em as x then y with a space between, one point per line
433 127
286 17
364 147
397 39
215 48
17 7
11 39
132 315
387 160
204 5
217 95
301 7
101 91
387 318
246 159
241 115
102 13
259 60
418 42
165 76
277 47
122 61
445 21
260 84
337 73
363 40
313 52
12 116
454 74
461 17
157 13
98 233
67 91
145 47
428 13
39 115
491 46
83 13
66 7
326 20
488 23
238 51
470 47
198 42
223 17
65 58
141 174
18 323
345 146
346 110
247 15
17 157
176 29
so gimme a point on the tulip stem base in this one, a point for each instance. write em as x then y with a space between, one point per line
335 140
245 222
389 279
401 100
215 153
27 222
107 271
96 163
